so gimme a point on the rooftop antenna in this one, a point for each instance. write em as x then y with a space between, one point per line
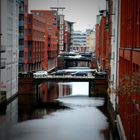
58 7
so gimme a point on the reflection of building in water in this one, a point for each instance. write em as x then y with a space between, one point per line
12 111
25 106
43 92
56 90
64 89
8 117
52 91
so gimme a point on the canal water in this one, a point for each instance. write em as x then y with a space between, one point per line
78 117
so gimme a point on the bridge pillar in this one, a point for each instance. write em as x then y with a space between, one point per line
36 92
88 64
91 88
98 87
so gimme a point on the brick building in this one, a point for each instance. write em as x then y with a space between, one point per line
35 40
68 30
103 47
129 63
102 43
121 50
51 34
97 39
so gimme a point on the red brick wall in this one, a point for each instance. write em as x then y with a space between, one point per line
103 44
34 49
51 42
103 40
129 105
97 42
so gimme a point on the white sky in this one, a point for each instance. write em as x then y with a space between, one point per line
82 12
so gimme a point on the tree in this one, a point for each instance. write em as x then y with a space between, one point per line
129 104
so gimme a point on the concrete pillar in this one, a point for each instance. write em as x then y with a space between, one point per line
36 92
91 88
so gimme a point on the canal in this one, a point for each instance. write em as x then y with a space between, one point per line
73 116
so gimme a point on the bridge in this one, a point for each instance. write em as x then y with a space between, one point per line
72 59
65 78
96 85
82 58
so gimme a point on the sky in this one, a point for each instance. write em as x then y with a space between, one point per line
82 12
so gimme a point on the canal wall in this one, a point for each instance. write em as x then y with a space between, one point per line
112 119
98 87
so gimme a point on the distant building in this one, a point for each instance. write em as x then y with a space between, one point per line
68 35
61 32
103 41
9 48
97 42
78 41
90 41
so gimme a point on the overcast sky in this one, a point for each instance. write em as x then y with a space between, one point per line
82 12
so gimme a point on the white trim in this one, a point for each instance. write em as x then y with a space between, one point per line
120 128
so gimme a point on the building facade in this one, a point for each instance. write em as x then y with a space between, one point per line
23 11
79 41
102 41
51 34
91 41
129 65
115 44
9 48
61 32
35 38
68 35
122 34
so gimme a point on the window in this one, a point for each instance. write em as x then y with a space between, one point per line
21 42
21 54
29 32
29 21
29 44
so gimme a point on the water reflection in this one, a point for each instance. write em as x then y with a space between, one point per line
74 116
77 88
8 118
